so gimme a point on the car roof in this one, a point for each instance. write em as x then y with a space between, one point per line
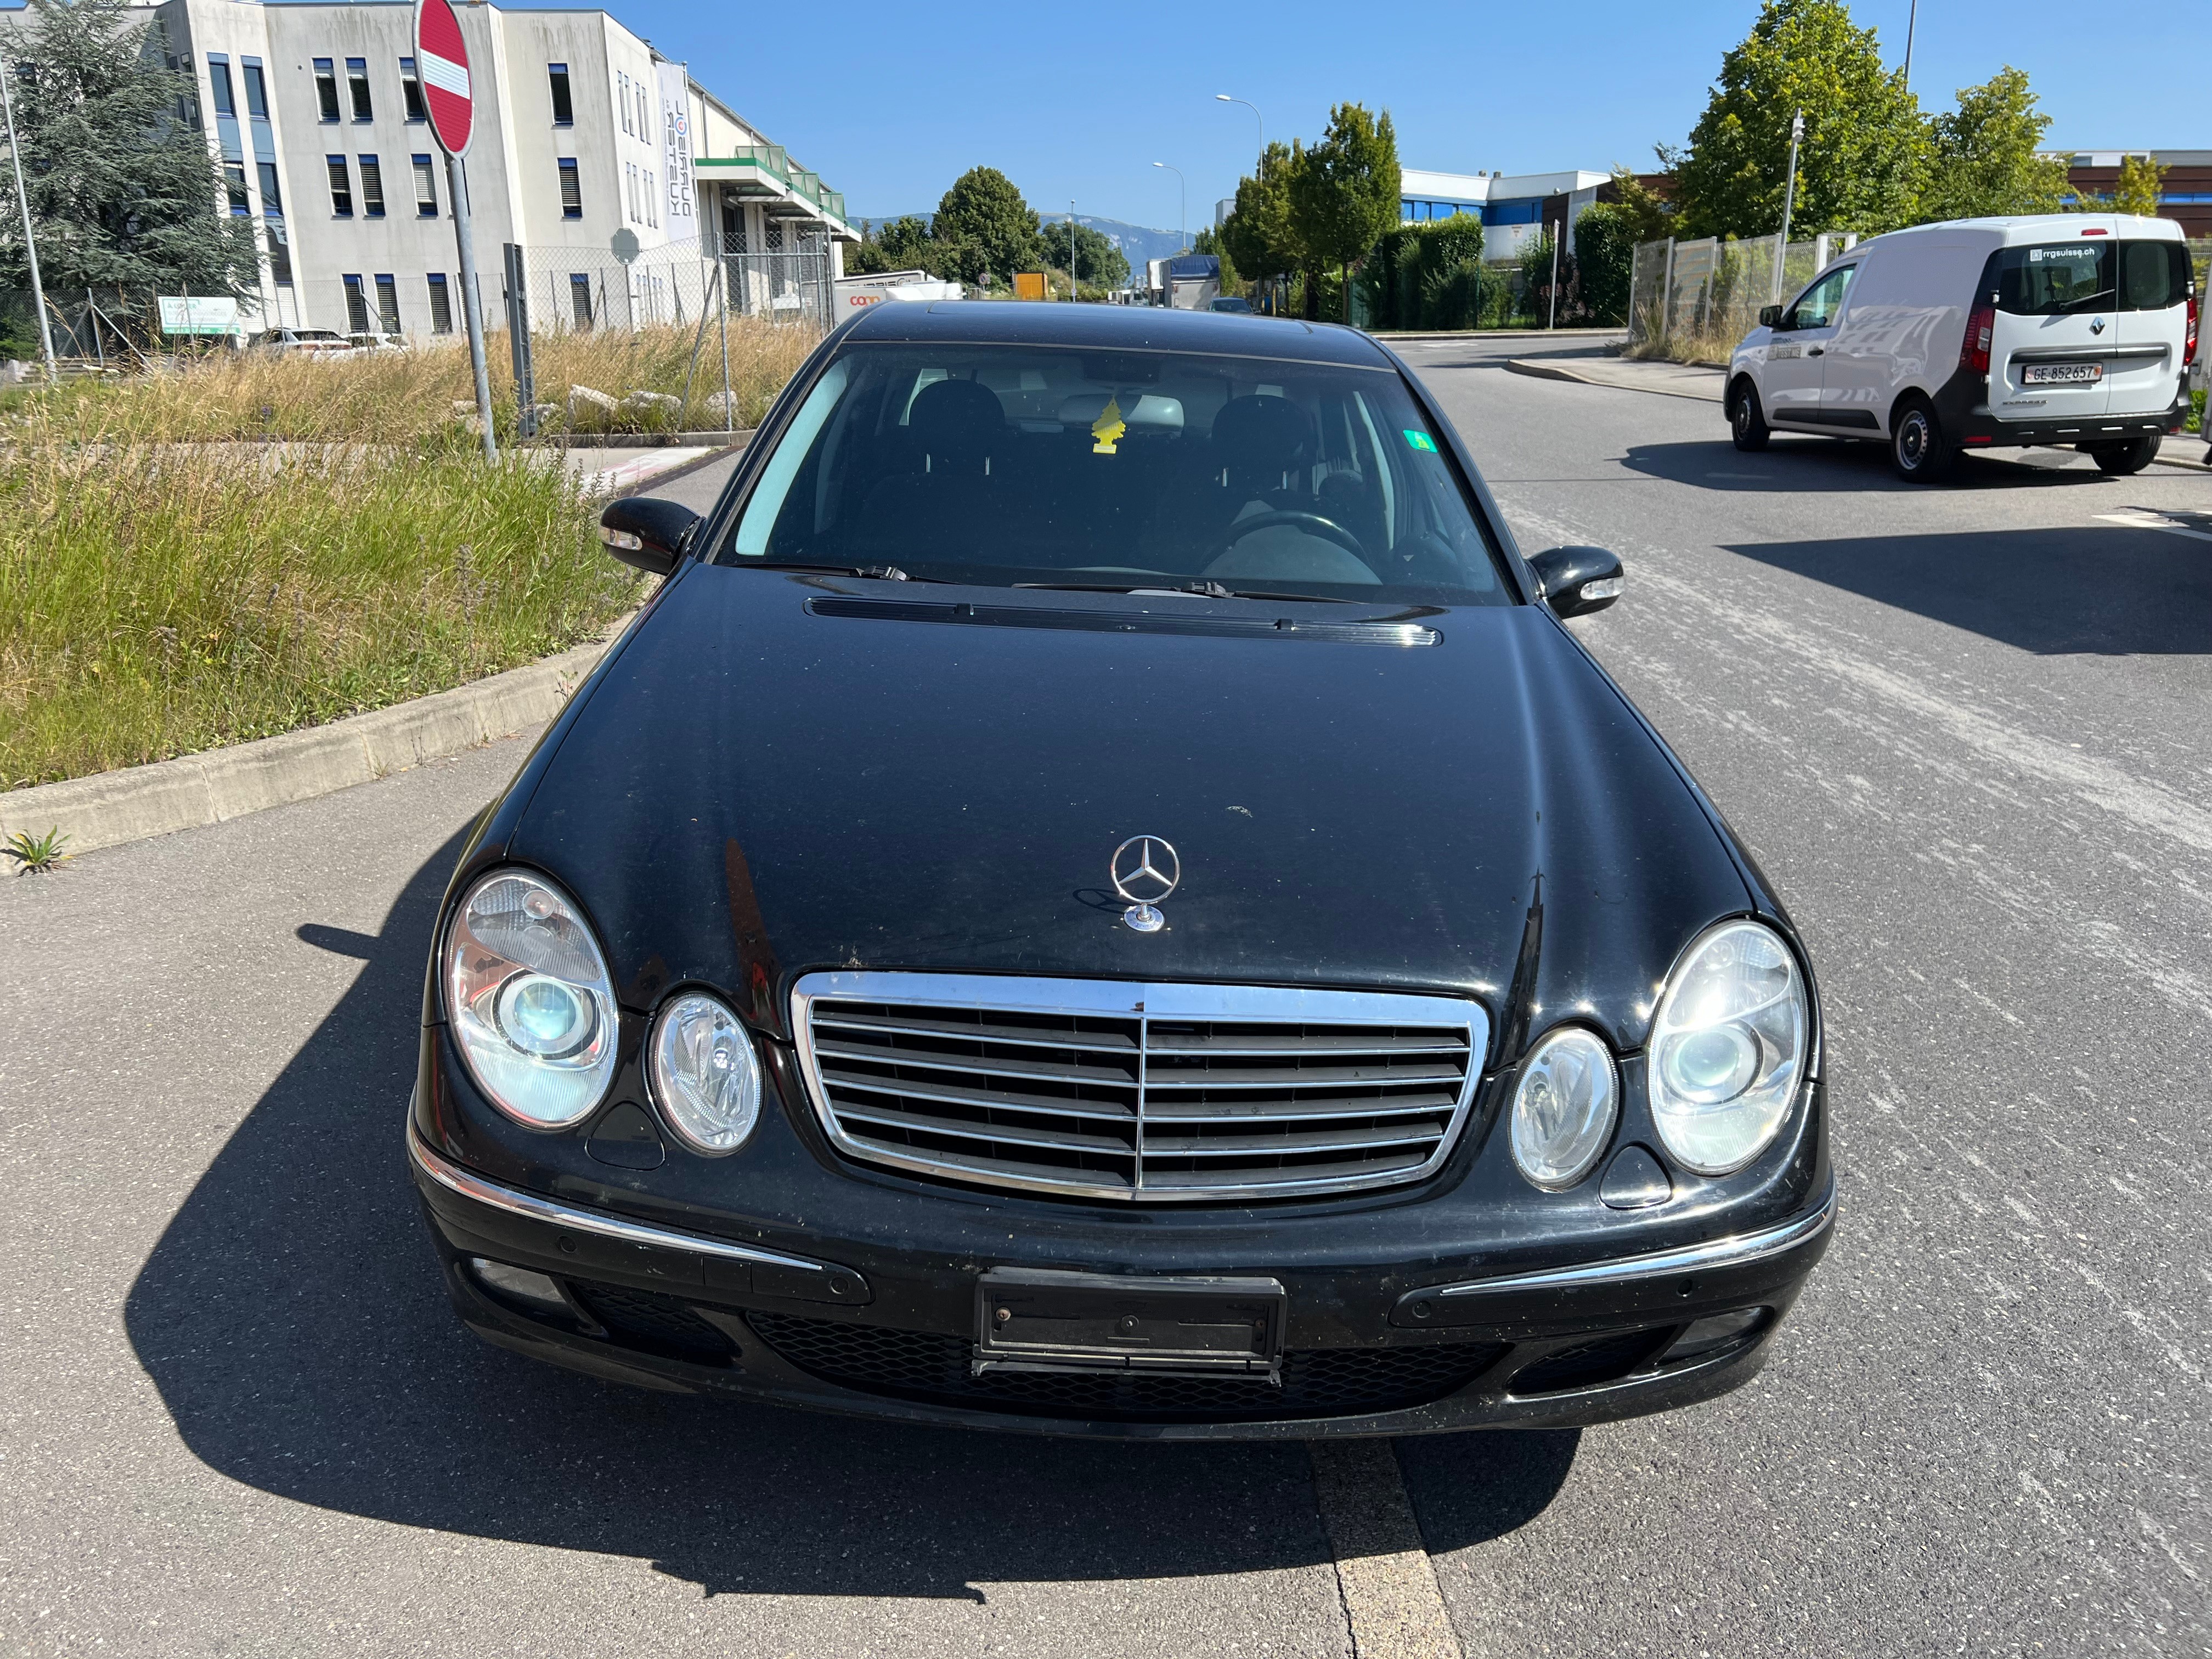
1108 327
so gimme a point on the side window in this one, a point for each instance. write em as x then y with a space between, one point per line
1819 306
326 90
564 106
357 82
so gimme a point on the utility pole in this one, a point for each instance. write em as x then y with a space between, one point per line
30 243
1789 201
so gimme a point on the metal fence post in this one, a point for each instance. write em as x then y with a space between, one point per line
1667 296
518 341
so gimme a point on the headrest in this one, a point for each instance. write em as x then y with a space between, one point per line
1262 435
956 420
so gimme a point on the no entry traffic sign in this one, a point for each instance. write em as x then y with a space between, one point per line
441 58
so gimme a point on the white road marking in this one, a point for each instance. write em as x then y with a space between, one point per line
2135 519
1383 1572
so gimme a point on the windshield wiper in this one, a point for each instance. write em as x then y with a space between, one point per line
1204 589
882 573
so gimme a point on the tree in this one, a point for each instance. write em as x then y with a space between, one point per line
1864 157
123 191
2141 183
1345 192
1099 261
1209 240
1650 217
1258 236
986 226
1984 160
1605 259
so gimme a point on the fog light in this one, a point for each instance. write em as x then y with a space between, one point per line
1712 1333
520 1284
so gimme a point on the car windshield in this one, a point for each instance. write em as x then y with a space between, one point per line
1068 467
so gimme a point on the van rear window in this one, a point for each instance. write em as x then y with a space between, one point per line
2153 275
2064 277
2055 280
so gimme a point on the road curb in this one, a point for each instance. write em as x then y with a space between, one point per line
1543 369
111 808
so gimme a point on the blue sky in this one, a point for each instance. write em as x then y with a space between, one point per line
890 102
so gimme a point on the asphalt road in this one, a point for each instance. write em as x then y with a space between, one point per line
1966 731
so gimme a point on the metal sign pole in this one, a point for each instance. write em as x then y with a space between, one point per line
457 180
519 343
30 242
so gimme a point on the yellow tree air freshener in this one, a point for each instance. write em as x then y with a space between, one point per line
1107 427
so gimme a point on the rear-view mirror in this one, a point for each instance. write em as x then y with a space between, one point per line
648 533
1577 580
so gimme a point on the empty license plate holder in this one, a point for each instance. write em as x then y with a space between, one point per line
2061 374
1036 1319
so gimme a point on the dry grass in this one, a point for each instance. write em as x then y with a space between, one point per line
157 601
408 397
1715 350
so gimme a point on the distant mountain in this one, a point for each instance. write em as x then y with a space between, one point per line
1138 243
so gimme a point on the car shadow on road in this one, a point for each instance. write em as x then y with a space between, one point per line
2094 589
1801 465
293 1320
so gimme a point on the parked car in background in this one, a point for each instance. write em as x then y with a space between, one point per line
1230 303
316 341
2058 329
372 341
1102 896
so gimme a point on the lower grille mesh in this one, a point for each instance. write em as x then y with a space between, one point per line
932 1369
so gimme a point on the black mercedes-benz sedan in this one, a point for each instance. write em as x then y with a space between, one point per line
1099 897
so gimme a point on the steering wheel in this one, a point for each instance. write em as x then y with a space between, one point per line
1312 523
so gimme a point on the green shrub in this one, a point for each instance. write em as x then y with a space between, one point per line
1605 258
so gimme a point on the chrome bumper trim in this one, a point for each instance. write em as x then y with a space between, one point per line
1739 1251
455 1179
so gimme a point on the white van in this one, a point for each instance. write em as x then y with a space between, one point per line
2058 328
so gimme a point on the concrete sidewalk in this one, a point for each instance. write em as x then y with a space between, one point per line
2185 449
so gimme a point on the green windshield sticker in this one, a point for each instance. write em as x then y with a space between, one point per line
1421 440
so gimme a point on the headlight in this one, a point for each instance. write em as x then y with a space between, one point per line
528 996
1728 1048
1564 1107
705 1076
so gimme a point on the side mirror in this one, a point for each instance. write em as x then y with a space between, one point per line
1577 579
1770 316
647 532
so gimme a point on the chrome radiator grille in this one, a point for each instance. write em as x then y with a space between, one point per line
1154 1093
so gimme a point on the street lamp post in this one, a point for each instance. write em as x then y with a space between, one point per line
1912 22
1071 250
1789 201
1224 98
30 243
1183 213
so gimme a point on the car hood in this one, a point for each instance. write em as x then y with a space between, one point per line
754 788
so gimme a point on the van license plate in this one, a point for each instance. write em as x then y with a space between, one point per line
2062 374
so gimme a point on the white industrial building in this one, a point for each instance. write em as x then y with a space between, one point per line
582 130
1513 210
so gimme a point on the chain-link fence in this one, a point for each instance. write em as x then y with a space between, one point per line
1712 291
583 288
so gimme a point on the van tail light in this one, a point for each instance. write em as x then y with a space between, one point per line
2189 351
1974 350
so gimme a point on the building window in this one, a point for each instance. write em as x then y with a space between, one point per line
272 200
219 84
341 187
356 307
644 112
326 90
372 188
622 98
233 183
572 192
280 254
630 191
387 304
652 203
357 83
441 305
564 108
426 189
580 298
257 91
411 89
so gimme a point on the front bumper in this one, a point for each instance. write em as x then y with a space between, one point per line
886 1332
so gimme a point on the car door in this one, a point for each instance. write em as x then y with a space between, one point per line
2056 323
2152 326
1791 381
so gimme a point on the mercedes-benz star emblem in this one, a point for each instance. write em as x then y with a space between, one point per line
1144 869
